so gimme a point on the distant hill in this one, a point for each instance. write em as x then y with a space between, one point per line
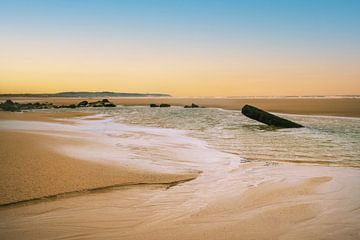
86 94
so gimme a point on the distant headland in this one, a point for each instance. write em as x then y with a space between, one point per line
85 94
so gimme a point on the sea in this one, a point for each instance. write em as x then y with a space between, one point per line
325 140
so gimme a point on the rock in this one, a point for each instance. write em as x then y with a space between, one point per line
96 104
26 106
268 118
47 105
68 106
9 102
165 105
109 104
102 103
9 105
193 105
83 104
153 105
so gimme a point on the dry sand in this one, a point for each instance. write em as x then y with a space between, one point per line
349 107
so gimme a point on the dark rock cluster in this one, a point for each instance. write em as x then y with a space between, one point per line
102 103
162 105
153 105
11 106
193 105
165 105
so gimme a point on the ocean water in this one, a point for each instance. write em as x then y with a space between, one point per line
326 140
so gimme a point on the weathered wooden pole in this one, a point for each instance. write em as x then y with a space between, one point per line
268 118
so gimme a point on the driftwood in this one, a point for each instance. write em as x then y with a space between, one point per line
268 118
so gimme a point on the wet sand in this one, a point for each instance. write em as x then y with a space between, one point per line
242 201
347 107
297 203
41 116
31 169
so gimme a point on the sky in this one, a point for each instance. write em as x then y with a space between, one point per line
181 47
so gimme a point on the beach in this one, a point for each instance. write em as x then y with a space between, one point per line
348 107
179 120
139 173
31 169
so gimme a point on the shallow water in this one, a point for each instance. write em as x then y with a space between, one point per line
329 140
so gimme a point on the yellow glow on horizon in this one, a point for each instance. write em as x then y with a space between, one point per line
180 83
47 69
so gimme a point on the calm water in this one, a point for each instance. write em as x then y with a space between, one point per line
325 140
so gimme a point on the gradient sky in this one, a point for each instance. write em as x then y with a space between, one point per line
181 47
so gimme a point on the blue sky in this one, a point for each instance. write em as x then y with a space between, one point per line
324 31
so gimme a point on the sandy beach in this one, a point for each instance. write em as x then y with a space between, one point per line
295 206
31 169
179 120
116 199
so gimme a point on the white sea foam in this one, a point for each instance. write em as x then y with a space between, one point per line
111 142
168 133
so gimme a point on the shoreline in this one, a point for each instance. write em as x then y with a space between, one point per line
229 199
35 165
346 107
